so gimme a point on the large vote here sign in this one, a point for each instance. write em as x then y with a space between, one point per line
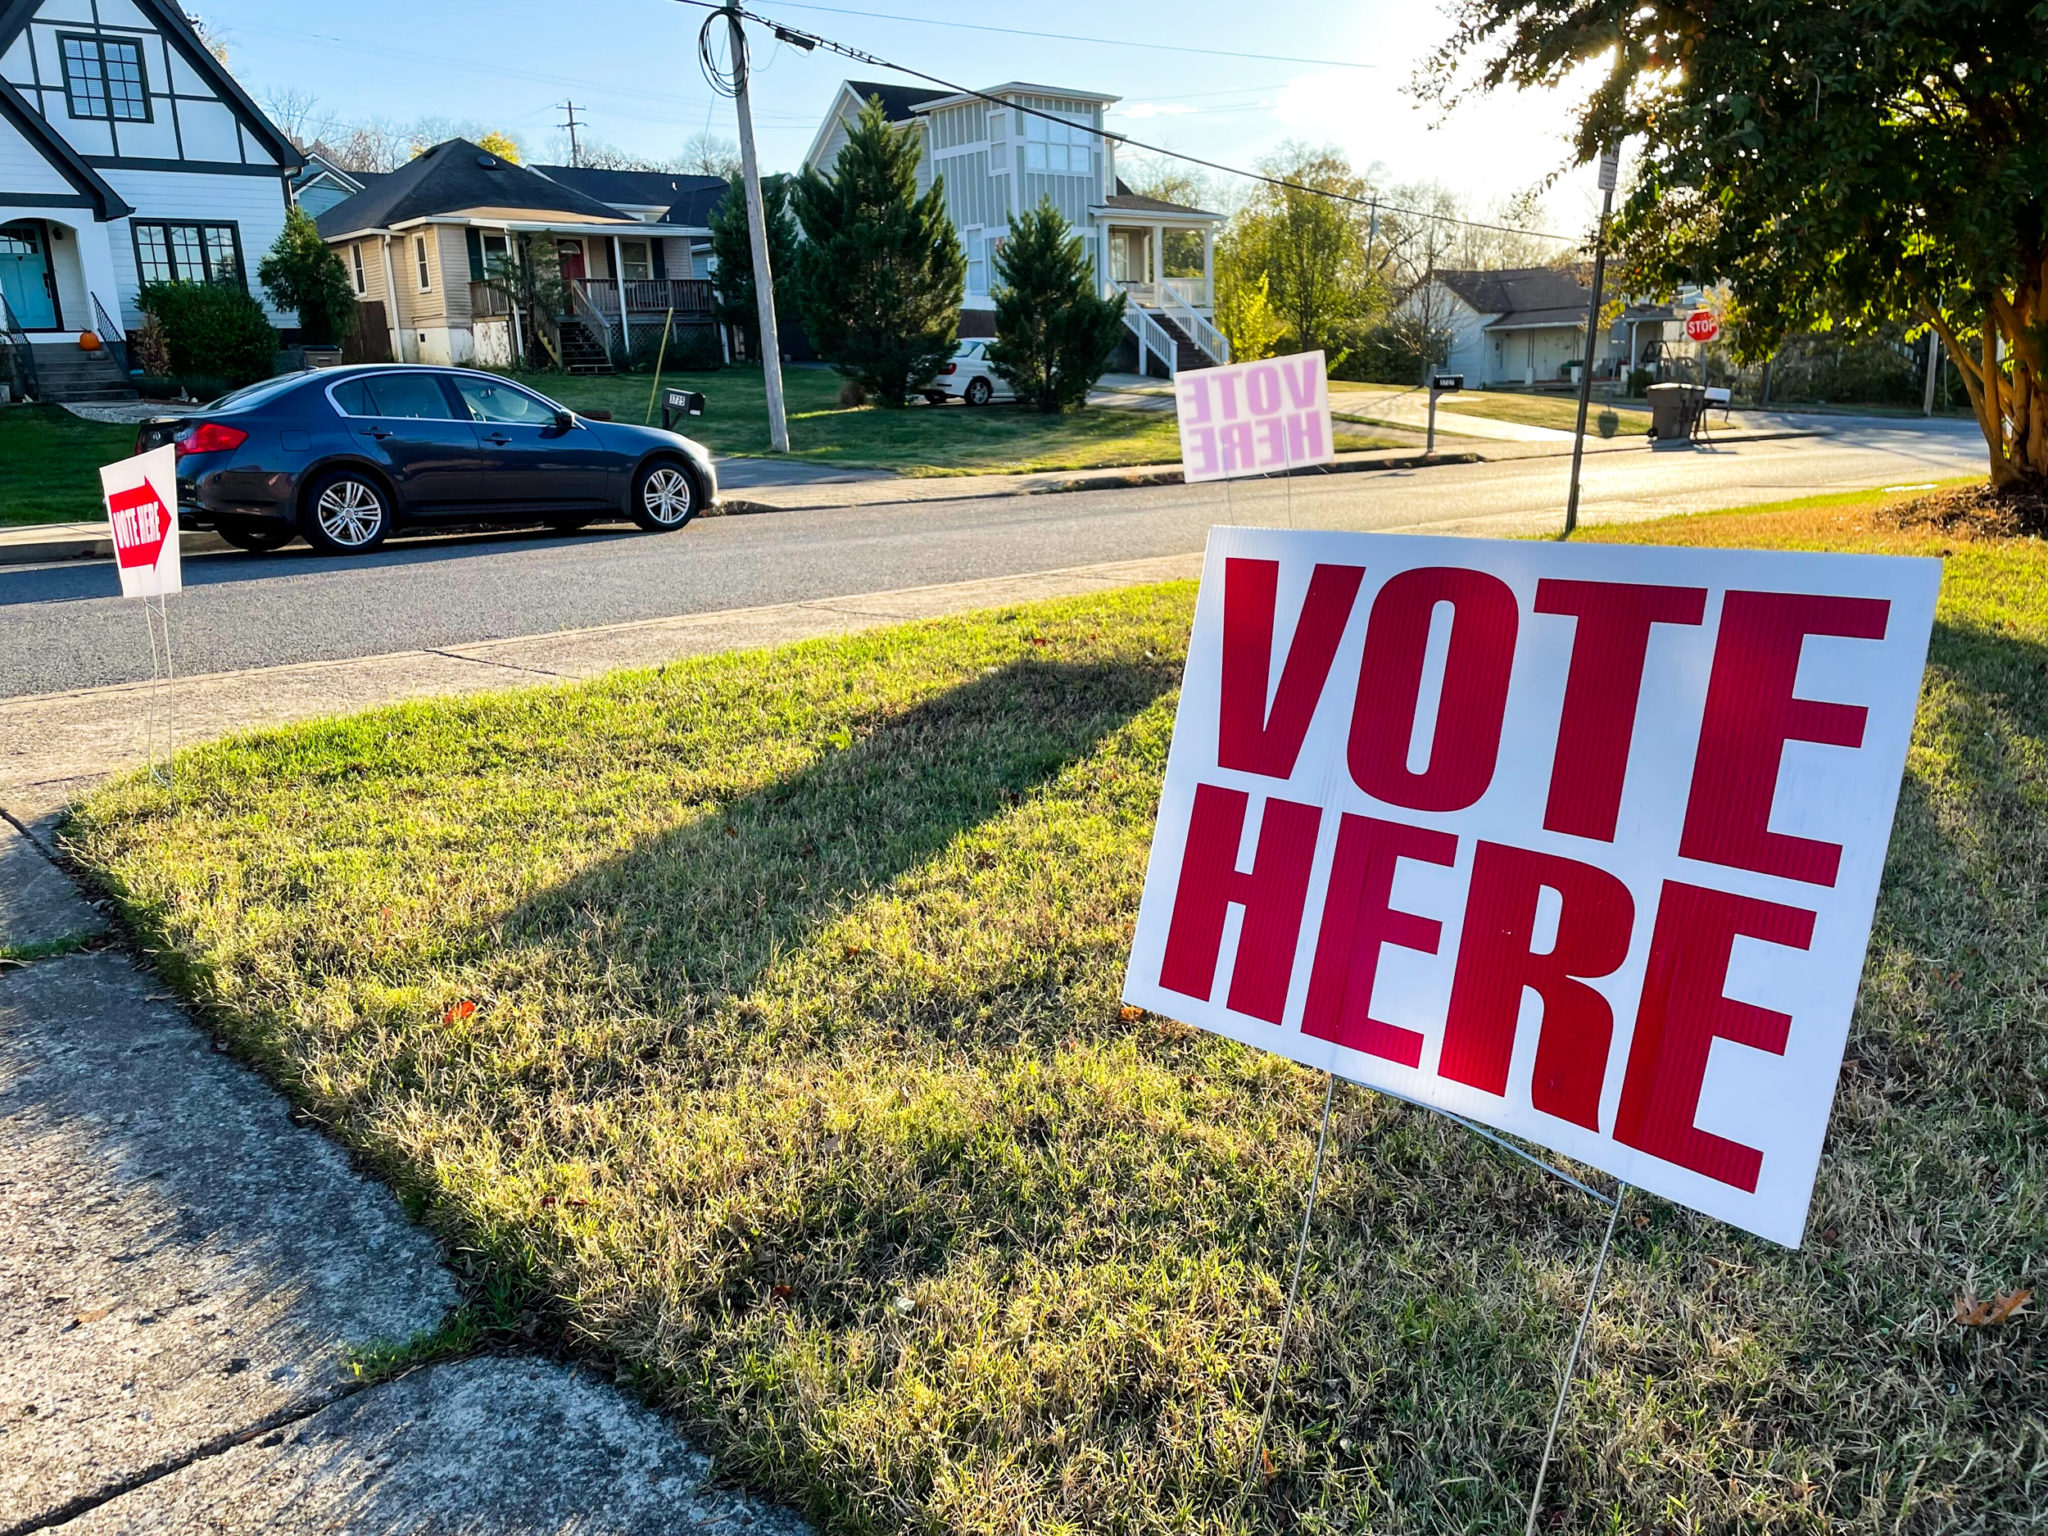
1581 842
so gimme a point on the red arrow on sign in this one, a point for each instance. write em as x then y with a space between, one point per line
1701 325
141 523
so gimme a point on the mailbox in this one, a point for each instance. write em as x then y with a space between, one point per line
677 403
1446 383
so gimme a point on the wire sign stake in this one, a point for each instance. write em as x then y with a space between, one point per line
140 495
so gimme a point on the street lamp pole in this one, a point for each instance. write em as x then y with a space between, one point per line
1610 167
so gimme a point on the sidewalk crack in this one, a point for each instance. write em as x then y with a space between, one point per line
482 661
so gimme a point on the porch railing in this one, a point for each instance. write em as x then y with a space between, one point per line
1153 338
1190 291
690 297
112 337
487 302
21 357
1198 326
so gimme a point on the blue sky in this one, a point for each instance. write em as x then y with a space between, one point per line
631 66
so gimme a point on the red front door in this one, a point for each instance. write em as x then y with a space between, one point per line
571 256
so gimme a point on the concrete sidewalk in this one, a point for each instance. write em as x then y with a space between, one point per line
185 1273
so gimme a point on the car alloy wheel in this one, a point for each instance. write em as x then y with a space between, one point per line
350 513
980 392
667 499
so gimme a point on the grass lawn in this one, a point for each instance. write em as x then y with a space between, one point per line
952 439
753 1022
1559 411
49 464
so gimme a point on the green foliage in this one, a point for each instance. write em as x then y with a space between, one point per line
881 271
1838 165
1244 305
1054 332
1399 347
218 336
732 285
1309 250
302 273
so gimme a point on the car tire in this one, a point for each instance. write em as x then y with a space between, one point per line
257 535
664 496
935 397
979 392
346 513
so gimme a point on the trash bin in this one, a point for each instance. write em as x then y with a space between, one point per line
1675 411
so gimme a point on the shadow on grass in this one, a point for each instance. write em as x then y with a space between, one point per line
703 910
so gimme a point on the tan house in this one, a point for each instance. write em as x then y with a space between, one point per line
424 244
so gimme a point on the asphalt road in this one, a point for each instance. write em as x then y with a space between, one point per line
59 628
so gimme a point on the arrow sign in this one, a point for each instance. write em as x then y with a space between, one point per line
140 494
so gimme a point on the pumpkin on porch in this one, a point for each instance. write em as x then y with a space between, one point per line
88 342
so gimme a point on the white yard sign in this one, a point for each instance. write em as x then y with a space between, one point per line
1579 841
142 499
1254 418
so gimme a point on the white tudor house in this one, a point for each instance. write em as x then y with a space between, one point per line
1517 326
1000 158
128 154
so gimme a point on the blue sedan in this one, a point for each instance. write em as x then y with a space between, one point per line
345 455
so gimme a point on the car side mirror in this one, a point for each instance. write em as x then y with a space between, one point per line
564 420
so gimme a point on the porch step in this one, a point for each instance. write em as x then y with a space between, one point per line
65 373
1189 352
581 351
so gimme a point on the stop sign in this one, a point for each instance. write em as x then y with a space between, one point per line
1701 325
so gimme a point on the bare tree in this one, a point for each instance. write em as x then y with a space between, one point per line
297 115
707 154
1171 181
373 145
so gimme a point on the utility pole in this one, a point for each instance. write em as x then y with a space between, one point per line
575 144
1610 173
757 230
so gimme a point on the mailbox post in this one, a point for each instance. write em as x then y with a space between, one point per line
1440 384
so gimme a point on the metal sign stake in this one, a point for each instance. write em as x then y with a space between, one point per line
1571 1363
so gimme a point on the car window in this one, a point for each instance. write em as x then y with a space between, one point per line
415 396
495 400
256 394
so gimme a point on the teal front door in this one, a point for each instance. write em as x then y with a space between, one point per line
25 276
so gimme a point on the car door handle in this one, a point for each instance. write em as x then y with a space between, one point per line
499 438
380 433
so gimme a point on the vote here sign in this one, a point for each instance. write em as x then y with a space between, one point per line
1253 418
1581 842
141 496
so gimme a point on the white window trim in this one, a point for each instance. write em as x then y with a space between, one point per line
356 269
419 257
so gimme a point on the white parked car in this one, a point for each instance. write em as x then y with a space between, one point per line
969 377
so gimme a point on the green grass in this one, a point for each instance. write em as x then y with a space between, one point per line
953 439
49 464
1558 411
796 1087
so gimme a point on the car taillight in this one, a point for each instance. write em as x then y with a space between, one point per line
950 368
211 437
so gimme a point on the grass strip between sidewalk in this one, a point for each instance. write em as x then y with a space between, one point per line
757 1018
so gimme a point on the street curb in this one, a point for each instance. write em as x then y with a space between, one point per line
17 548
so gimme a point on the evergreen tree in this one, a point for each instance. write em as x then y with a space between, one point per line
1054 332
732 285
302 273
881 271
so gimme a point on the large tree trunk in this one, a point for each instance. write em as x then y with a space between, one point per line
2004 369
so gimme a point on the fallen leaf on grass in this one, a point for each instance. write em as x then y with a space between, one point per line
1266 1461
95 1314
1130 1013
1972 1313
459 1013
781 1293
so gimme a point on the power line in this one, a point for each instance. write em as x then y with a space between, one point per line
808 40
1069 37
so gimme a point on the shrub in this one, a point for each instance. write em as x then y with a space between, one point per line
214 332
1054 333
303 274
1639 380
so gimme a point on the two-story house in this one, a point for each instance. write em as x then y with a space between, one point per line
128 155
998 158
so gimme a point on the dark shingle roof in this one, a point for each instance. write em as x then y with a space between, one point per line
897 100
1518 294
695 207
643 189
448 178
1135 202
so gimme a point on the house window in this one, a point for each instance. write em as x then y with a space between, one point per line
188 253
103 78
419 256
1059 148
356 261
639 263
